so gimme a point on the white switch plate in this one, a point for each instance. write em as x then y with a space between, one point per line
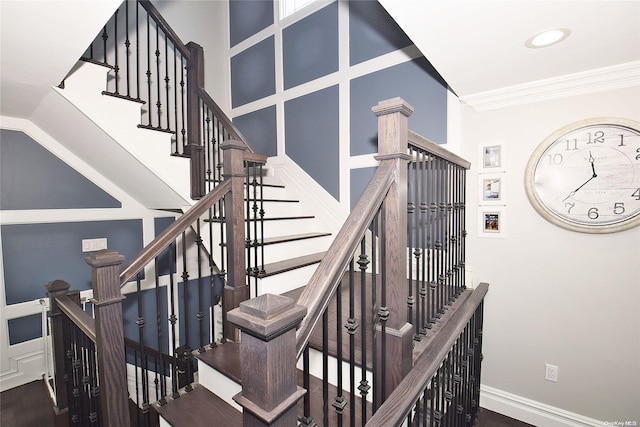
551 373
90 245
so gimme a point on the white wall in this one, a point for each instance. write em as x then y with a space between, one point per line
207 24
560 297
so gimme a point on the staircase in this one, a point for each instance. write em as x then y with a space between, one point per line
353 350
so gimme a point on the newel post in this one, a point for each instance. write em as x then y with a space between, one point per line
107 301
393 135
56 289
236 288
194 148
268 360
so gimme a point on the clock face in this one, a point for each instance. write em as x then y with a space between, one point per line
586 176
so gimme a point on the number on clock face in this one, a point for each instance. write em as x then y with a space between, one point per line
588 177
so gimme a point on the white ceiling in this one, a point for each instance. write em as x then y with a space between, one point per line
478 46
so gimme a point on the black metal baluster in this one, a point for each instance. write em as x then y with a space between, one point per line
256 219
411 207
140 322
166 81
200 315
417 249
149 112
159 322
306 420
95 388
262 212
374 301
352 327
183 118
137 50
175 97
116 66
339 402
173 319
364 387
325 368
158 100
431 220
423 244
251 269
127 45
105 37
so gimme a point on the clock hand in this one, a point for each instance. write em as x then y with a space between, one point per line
585 183
593 168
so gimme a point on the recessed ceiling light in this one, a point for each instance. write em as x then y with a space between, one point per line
548 38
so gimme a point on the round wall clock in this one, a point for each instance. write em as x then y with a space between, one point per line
586 176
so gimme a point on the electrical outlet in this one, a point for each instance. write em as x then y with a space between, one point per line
90 245
551 374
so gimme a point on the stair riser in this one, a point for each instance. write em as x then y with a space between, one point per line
218 384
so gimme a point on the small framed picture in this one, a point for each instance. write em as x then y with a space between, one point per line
492 189
492 158
492 221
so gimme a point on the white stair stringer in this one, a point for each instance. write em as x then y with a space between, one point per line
108 137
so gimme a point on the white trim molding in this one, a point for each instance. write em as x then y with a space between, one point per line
597 80
531 411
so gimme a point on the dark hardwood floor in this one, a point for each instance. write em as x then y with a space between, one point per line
30 406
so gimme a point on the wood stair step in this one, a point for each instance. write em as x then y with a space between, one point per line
293 238
275 218
198 408
288 265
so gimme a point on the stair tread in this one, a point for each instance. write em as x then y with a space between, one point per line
273 218
289 264
198 408
293 237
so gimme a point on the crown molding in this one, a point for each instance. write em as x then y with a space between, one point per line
597 80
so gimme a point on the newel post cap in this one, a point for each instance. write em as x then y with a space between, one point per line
393 105
104 258
267 316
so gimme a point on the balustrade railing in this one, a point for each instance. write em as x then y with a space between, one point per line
149 64
395 269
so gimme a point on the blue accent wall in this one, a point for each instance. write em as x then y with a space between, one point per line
311 132
417 83
166 258
35 254
359 180
310 47
372 32
259 129
31 177
253 74
247 17
24 328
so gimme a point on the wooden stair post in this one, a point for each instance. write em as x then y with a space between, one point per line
112 369
194 148
268 360
393 135
55 289
236 288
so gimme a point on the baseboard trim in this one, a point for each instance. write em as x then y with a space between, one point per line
531 411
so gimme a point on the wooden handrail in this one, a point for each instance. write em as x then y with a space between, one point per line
172 232
164 25
425 144
79 317
399 403
324 282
